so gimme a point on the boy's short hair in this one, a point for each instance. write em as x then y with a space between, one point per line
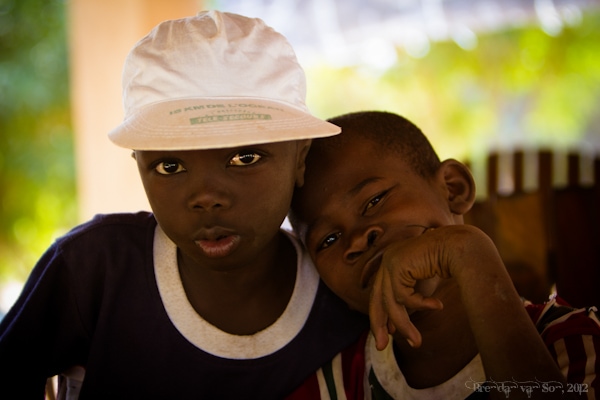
215 80
390 132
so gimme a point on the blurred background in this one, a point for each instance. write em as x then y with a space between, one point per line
476 76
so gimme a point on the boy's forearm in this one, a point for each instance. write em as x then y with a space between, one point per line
510 346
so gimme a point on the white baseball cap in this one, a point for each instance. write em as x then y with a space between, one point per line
214 80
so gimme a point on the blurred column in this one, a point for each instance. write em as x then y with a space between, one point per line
101 33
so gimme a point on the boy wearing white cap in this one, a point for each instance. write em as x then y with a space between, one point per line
206 297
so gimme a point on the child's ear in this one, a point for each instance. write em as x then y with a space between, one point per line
302 151
460 186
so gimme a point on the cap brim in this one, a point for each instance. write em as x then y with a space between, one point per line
209 123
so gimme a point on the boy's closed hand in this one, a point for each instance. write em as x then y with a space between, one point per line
396 290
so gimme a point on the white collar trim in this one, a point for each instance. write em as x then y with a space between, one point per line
211 339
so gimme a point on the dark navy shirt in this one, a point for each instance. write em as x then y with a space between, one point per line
93 300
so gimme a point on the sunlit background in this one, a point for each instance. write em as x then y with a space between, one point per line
474 75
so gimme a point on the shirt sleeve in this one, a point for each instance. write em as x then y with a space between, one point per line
573 338
41 333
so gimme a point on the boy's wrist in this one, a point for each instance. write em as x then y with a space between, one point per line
469 254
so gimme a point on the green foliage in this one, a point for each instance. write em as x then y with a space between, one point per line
520 87
516 88
37 180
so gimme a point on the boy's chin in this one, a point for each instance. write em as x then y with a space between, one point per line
358 307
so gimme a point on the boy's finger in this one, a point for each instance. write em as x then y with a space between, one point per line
404 327
377 314
416 301
398 316
405 294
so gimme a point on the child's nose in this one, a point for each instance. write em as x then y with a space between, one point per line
361 242
209 194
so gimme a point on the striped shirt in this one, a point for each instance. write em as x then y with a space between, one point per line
361 372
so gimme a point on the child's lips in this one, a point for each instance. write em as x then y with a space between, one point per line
370 269
220 246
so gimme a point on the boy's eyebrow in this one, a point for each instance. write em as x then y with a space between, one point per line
309 232
360 185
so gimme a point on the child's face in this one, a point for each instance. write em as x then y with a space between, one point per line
354 203
223 207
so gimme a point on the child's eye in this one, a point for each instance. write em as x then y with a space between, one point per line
329 240
374 201
169 167
245 158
